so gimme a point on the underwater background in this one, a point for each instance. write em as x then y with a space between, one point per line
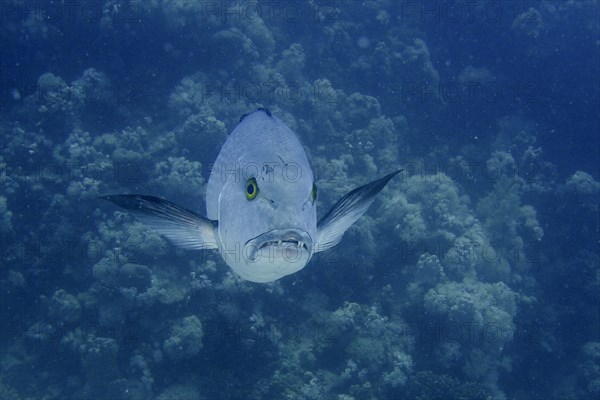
474 275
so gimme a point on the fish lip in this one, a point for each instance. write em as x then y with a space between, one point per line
288 235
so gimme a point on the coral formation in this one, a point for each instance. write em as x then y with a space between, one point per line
473 276
185 340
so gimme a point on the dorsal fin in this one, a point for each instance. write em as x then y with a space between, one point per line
266 111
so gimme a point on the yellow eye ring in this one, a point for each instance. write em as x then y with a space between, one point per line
251 189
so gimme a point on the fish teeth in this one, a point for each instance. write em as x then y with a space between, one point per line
300 243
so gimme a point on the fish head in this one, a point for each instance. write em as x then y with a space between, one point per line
260 204
267 219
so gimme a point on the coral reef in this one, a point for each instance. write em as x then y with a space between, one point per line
185 340
474 275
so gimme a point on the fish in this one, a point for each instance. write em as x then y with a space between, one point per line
261 204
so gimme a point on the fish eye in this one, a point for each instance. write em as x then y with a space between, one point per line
313 193
251 189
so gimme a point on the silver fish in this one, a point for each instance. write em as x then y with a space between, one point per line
260 204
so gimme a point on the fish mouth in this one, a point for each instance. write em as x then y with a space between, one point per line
280 240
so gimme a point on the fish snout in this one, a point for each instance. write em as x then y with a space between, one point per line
280 241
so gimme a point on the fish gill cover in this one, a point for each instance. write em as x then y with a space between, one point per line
474 275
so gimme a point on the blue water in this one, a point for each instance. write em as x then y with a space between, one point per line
474 275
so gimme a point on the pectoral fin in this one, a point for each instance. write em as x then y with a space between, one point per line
185 228
346 211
